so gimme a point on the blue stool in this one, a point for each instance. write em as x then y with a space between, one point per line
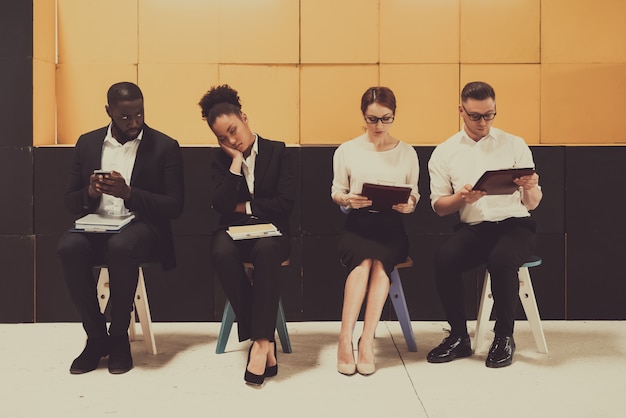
529 303
396 294
228 318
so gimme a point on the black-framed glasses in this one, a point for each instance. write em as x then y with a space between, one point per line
477 116
373 120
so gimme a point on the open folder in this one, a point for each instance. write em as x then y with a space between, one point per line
253 231
501 181
96 222
384 196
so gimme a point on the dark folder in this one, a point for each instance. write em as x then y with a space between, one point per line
501 181
384 196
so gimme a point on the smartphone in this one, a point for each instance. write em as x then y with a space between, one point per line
101 172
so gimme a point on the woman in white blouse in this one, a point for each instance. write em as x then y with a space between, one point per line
372 242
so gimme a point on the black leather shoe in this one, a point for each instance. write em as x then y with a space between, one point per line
501 352
450 349
120 359
271 371
88 360
251 378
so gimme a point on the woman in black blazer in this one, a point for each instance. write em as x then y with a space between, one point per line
253 183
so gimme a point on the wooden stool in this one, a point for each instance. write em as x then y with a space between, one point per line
228 318
527 297
140 305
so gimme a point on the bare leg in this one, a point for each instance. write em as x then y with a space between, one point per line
354 294
377 295
259 356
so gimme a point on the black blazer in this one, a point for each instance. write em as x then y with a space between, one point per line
274 188
157 183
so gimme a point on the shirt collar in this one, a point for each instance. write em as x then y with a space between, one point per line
465 136
112 141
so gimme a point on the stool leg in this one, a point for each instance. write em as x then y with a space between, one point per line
396 293
281 327
484 312
103 288
228 318
527 297
143 311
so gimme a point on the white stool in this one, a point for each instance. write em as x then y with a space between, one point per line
140 305
529 303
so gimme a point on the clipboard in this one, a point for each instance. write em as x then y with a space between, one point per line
239 232
384 196
498 182
95 222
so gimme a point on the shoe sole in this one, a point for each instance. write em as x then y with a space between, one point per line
449 358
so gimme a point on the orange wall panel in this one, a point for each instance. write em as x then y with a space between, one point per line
330 101
427 100
44 30
81 96
97 31
419 31
269 96
591 31
344 31
178 31
500 31
583 103
44 109
171 95
258 31
517 88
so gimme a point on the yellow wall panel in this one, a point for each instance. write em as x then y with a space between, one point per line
97 31
427 100
269 96
583 103
345 31
44 109
517 88
171 95
178 31
500 31
419 31
330 102
81 96
44 30
583 31
258 31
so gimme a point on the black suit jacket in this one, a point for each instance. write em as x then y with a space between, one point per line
157 185
274 188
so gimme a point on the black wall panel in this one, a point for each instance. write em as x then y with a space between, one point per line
596 232
577 235
16 183
17 278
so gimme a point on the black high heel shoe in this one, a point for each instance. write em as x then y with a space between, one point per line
271 371
251 378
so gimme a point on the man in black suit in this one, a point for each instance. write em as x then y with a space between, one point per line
254 183
144 176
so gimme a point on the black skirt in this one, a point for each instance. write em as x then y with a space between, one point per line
376 235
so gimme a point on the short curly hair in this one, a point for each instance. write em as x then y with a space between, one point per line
218 101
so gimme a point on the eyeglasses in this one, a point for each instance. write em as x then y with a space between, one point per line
476 116
373 120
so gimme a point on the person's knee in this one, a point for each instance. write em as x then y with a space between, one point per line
70 246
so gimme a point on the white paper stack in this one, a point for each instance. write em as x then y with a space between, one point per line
96 222
253 231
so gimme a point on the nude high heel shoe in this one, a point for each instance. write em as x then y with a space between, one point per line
365 369
347 368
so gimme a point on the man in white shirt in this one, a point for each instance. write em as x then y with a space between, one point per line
495 229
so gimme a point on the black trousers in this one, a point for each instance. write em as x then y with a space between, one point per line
255 304
122 252
504 246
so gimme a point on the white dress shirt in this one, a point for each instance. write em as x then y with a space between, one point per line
460 160
248 170
120 158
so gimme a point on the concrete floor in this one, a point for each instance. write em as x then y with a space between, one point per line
583 376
